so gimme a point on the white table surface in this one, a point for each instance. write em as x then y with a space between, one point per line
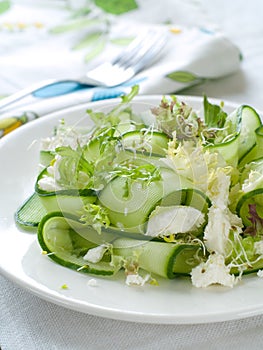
28 322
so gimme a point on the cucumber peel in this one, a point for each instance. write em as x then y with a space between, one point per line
163 259
58 236
66 247
29 214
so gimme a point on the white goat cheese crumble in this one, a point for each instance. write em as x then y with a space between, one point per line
213 271
136 279
94 255
216 233
220 218
92 282
218 189
65 136
175 219
49 182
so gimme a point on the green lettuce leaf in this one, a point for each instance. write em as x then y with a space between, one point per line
116 7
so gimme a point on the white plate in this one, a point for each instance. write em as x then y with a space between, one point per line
173 302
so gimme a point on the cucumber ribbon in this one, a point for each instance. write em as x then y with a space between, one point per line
67 240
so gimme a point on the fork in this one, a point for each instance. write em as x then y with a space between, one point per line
140 53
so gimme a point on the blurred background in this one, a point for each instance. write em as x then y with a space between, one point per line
83 27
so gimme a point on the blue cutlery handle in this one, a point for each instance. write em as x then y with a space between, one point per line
59 88
66 87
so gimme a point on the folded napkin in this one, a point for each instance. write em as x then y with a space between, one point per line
192 55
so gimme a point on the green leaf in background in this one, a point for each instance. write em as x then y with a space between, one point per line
116 7
182 76
122 41
83 11
96 50
77 24
88 40
4 5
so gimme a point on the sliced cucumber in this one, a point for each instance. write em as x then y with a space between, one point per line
64 245
69 201
236 149
188 196
127 126
164 259
30 213
228 147
255 152
59 236
250 121
134 232
146 141
228 150
133 210
255 166
92 150
140 158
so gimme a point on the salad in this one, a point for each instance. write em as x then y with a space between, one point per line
169 192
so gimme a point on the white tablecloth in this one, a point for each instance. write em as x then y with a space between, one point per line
28 323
